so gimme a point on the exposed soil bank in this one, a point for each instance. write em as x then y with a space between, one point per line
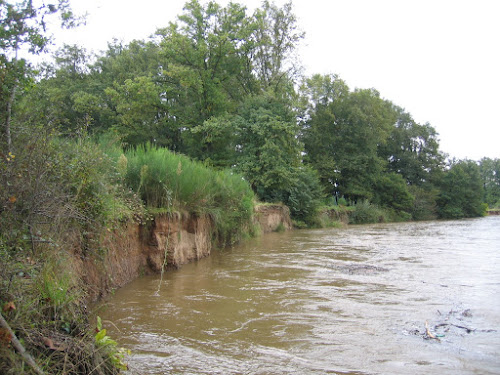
136 249
270 217
337 215
493 212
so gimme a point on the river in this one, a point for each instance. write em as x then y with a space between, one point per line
329 301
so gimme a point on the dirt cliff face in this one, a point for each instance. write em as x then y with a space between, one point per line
184 239
272 217
134 250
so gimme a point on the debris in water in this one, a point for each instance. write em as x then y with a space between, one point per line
428 333
450 325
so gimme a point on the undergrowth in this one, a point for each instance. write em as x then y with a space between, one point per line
58 197
365 212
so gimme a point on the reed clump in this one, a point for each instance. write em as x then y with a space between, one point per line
164 179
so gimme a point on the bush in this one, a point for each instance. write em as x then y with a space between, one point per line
365 212
304 196
391 191
424 205
54 192
94 181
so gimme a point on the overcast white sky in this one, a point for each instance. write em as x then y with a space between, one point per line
438 59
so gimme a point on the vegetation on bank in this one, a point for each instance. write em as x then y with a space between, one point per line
170 181
207 117
59 197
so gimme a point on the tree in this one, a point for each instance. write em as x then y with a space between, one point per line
461 191
304 197
204 55
363 123
268 150
320 96
391 191
490 176
206 69
142 116
217 56
23 25
115 79
219 139
342 136
277 37
412 150
62 97
121 62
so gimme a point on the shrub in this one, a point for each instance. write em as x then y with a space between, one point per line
365 213
424 205
391 191
304 196
54 192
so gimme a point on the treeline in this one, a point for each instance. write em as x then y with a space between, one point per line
223 87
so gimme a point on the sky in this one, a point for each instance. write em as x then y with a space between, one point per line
438 59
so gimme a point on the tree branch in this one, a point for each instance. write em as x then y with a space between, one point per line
18 346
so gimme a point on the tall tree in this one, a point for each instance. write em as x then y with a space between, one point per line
207 66
142 115
62 97
23 27
320 97
203 56
461 192
122 67
346 133
412 150
268 150
277 37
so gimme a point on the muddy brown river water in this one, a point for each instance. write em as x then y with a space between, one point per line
329 301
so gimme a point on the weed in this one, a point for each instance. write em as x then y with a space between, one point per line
280 228
115 354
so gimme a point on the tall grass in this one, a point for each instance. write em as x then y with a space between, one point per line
168 180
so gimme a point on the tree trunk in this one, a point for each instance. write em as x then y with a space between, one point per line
8 121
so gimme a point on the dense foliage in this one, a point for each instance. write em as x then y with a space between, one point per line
461 191
222 86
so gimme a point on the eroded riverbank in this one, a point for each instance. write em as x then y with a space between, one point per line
345 301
